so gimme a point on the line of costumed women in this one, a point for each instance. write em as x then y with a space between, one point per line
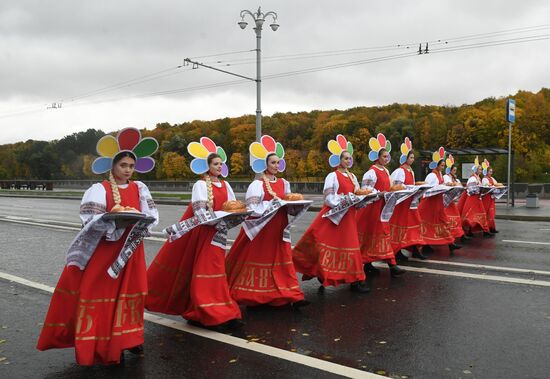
435 222
329 249
450 179
188 276
259 265
97 306
470 205
405 232
374 234
489 200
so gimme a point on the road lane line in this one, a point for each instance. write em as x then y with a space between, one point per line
271 351
482 267
494 278
528 242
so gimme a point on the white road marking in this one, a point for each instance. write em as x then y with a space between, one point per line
482 267
528 242
494 278
544 229
305 360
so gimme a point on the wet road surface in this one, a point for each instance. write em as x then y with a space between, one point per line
462 322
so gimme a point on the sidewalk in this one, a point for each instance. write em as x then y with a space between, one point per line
520 213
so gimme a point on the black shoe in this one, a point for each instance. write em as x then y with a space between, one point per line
401 257
359 287
368 268
136 350
466 237
427 249
395 270
454 246
494 231
300 304
469 234
419 255
234 324
487 234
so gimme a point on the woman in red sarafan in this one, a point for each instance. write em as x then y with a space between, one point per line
329 249
435 223
474 216
453 214
259 264
489 200
374 234
187 277
97 314
405 222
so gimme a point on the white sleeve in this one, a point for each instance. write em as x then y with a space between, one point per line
287 186
485 182
147 204
230 193
199 196
472 181
330 190
447 179
93 202
369 179
431 179
255 198
398 176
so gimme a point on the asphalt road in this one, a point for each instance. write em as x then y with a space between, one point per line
482 313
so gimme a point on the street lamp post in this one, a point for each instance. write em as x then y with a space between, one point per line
259 19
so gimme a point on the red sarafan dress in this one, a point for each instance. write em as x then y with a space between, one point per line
474 217
260 271
453 214
405 222
435 223
374 235
489 203
187 277
97 315
328 251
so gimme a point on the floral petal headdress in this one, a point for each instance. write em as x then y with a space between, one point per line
406 146
449 162
201 151
260 150
476 165
377 144
128 139
485 166
437 155
336 148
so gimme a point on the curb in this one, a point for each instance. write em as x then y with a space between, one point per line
311 209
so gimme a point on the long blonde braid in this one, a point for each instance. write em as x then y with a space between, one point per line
210 201
353 179
114 188
268 186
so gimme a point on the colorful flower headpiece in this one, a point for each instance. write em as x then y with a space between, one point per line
449 162
437 155
485 166
337 147
201 151
476 165
406 147
128 139
377 144
260 150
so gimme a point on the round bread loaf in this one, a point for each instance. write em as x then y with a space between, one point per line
294 196
234 206
363 191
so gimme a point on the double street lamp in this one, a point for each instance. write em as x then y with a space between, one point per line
259 18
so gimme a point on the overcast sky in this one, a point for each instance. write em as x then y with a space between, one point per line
58 51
